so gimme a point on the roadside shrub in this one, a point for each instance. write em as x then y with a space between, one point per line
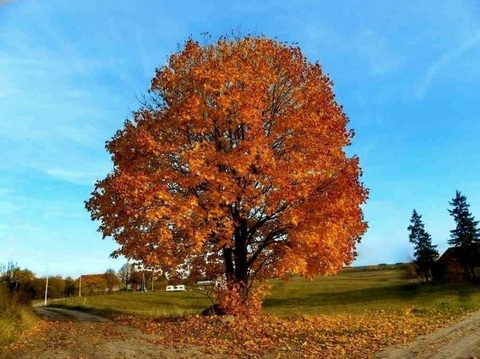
410 271
3 296
16 317
13 322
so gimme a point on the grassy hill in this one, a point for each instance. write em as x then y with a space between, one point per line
352 291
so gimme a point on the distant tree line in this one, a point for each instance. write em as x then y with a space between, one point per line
24 281
464 241
25 286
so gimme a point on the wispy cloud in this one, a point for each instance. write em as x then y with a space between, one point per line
61 103
77 175
6 191
8 208
445 60
374 50
87 136
378 53
6 87
3 2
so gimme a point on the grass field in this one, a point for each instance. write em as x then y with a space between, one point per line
355 292
148 304
348 292
352 315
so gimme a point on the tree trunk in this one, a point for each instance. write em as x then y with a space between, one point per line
229 270
240 252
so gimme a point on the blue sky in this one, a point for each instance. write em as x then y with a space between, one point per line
406 72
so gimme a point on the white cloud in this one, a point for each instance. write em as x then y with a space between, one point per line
7 89
77 175
323 34
86 136
7 208
6 191
376 50
373 50
60 104
444 61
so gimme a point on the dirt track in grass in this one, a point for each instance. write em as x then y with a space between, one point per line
66 333
461 340
71 334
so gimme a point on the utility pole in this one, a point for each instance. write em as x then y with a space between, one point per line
46 290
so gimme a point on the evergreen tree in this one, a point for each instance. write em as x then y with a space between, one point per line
425 253
466 235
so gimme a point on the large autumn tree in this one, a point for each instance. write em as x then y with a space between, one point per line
235 168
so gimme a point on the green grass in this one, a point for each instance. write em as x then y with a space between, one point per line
148 304
16 315
355 292
349 292
14 320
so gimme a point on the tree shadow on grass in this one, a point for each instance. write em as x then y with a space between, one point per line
369 296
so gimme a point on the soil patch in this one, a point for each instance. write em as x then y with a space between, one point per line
461 340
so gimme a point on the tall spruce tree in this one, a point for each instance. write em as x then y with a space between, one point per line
425 253
465 236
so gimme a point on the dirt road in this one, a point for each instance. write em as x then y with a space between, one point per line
72 334
52 314
461 340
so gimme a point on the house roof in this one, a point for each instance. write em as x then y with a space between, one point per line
452 254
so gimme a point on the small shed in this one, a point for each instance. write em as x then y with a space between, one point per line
448 266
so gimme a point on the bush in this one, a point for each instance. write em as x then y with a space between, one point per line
410 271
16 315
14 321
3 296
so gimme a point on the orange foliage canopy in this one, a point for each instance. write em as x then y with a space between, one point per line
235 168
